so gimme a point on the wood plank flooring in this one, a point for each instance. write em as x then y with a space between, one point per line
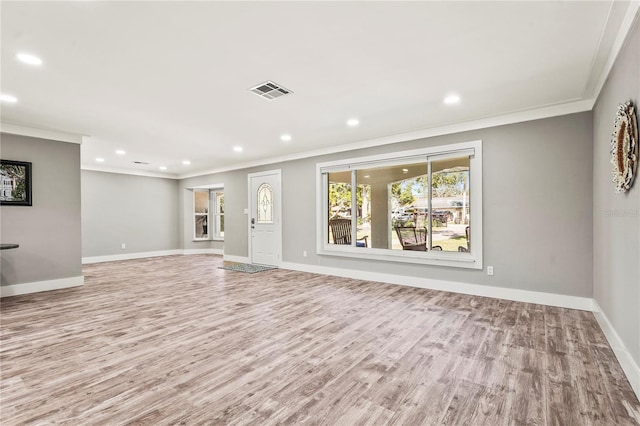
175 340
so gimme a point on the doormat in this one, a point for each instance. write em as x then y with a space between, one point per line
247 267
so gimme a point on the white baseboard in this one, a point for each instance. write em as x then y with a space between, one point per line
141 255
128 256
549 299
38 286
203 251
628 364
238 259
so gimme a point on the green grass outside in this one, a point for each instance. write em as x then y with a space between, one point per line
452 244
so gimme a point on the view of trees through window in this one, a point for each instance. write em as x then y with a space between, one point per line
392 205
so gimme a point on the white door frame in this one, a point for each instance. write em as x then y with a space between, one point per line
278 202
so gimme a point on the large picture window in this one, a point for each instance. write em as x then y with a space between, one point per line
419 206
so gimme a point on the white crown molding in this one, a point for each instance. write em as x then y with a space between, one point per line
630 18
38 286
482 123
128 172
628 364
56 135
210 186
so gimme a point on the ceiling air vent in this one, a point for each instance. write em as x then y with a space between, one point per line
270 90
140 162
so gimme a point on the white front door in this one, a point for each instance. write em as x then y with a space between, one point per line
265 227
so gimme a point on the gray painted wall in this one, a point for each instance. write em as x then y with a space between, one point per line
141 212
537 207
49 231
616 217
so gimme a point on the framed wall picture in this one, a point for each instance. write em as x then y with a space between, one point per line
15 183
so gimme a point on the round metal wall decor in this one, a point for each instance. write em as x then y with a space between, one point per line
624 145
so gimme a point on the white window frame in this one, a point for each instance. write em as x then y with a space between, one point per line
471 259
214 232
217 216
207 214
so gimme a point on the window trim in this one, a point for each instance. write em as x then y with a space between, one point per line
194 214
212 190
471 260
215 212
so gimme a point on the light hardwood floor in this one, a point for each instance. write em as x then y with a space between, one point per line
175 340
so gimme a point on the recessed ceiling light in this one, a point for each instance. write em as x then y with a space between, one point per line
29 59
367 176
285 137
237 148
452 99
120 152
100 160
353 122
8 98
163 167
186 162
405 170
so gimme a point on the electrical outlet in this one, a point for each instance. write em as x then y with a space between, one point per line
489 270
124 246
304 253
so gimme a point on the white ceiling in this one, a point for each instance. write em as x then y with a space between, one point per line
168 81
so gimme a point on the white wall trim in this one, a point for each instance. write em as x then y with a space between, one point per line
142 255
128 256
55 135
106 169
632 14
237 259
628 364
549 299
210 186
203 251
546 111
473 260
38 286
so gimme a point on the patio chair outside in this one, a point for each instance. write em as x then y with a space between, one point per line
341 232
413 238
